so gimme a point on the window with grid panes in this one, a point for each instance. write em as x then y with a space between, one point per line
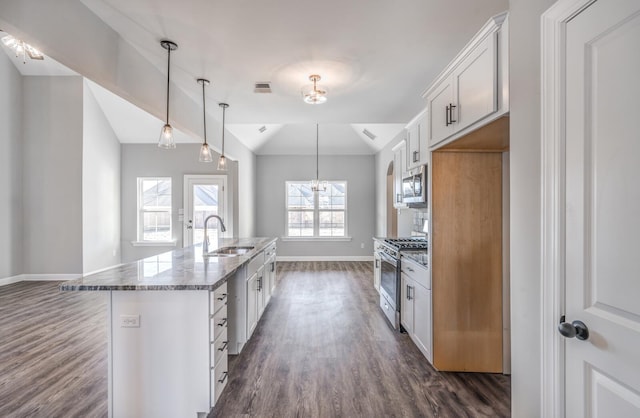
154 209
316 214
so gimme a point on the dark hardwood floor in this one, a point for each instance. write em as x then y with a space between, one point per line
321 349
53 352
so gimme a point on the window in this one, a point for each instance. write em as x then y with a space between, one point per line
319 214
154 209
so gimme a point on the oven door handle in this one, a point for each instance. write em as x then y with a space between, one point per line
386 257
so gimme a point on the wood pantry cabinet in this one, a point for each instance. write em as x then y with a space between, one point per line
466 251
473 89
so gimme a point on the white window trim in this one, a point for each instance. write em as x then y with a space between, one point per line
316 211
139 223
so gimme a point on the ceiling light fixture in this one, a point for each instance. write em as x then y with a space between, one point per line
21 48
205 151
166 135
314 94
222 161
317 185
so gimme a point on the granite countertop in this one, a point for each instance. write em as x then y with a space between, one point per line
182 269
420 256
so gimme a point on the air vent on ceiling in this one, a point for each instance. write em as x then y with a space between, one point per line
369 134
262 129
262 87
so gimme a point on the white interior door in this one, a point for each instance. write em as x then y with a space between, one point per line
204 195
602 215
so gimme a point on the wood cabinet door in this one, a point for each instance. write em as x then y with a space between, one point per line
406 303
422 320
437 103
475 81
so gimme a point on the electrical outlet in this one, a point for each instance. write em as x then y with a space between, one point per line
362 245
130 321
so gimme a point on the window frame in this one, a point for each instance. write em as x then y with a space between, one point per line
141 212
316 214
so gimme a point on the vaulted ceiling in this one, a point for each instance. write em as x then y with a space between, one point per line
375 58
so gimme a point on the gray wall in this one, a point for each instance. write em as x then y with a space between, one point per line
525 154
140 160
100 188
357 170
10 169
52 175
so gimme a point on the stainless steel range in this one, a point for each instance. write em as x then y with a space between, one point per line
389 250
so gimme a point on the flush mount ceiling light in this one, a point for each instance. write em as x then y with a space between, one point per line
222 161
166 135
205 151
314 94
21 48
316 184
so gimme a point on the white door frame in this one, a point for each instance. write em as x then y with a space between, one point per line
554 22
226 214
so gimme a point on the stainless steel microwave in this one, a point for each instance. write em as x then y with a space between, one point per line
414 187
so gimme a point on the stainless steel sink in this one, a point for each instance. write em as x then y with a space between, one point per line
230 251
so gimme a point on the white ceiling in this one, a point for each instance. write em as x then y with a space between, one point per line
375 57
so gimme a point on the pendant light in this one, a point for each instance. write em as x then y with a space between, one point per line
205 151
317 185
166 135
222 161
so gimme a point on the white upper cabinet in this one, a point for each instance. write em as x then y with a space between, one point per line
472 91
417 145
399 167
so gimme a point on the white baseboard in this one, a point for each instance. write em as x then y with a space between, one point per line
51 277
38 277
102 269
13 279
325 258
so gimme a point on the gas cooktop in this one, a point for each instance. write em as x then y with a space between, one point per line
406 243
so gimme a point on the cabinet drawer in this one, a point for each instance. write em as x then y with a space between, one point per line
255 264
219 298
219 378
218 323
416 272
219 348
271 250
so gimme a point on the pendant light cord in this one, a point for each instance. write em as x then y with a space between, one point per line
204 112
317 155
224 109
168 78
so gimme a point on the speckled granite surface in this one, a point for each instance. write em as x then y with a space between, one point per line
182 269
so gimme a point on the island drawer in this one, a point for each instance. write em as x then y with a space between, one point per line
271 250
219 298
218 323
219 348
219 377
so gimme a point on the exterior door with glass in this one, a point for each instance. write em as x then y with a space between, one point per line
204 195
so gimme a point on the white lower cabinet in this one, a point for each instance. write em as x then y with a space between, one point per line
250 292
415 305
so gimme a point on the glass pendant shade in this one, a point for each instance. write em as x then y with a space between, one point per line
205 154
166 137
314 94
222 163
166 134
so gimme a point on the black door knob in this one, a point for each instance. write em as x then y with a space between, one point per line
576 329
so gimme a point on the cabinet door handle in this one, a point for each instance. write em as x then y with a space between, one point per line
223 322
451 107
398 198
260 284
408 292
377 263
223 296
223 346
410 269
446 115
273 266
415 156
224 377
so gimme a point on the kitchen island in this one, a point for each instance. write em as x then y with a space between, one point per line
168 325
